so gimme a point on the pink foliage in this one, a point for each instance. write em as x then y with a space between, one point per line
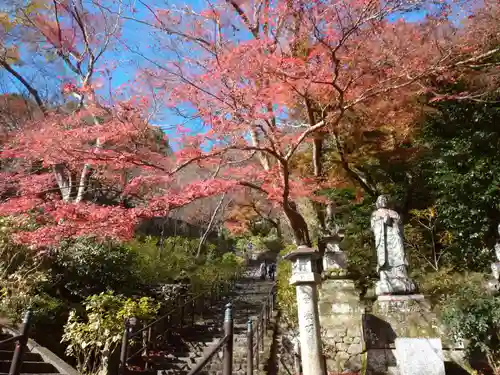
332 59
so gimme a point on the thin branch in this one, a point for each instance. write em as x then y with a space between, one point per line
26 84
210 224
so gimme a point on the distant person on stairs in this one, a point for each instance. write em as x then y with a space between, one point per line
271 271
263 270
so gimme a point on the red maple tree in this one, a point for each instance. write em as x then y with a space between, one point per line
240 69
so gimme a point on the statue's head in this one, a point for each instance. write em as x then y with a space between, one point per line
382 201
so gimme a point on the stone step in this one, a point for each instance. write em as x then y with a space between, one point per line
30 367
27 356
9 346
184 347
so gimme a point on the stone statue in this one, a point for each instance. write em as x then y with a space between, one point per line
495 267
493 285
497 245
392 263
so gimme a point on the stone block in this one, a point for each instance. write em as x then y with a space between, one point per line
341 359
335 332
348 339
354 329
355 349
379 360
416 356
400 316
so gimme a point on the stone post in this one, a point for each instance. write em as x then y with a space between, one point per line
305 278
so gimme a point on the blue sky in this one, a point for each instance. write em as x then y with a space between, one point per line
136 37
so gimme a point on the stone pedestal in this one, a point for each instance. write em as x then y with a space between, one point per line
420 356
493 283
398 317
495 270
394 282
340 319
305 278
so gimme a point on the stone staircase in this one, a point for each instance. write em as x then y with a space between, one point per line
36 359
183 348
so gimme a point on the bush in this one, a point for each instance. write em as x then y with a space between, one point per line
286 294
22 276
176 260
473 315
84 267
441 285
163 262
93 339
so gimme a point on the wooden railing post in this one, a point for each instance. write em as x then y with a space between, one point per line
249 348
262 330
193 310
257 358
17 358
182 311
296 358
124 350
146 343
271 304
130 324
266 317
227 368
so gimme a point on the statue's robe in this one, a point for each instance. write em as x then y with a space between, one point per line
387 228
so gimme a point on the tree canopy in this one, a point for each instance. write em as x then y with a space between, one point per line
272 85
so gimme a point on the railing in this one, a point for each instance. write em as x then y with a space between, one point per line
21 342
290 357
225 343
255 337
149 333
152 333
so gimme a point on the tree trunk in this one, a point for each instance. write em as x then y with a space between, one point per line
298 224
64 181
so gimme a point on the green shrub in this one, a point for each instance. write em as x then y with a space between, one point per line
92 340
20 291
441 285
473 315
84 267
165 261
286 294
22 276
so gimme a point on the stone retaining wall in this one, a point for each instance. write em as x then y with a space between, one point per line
341 323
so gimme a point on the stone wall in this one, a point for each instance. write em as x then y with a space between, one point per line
341 324
168 226
407 316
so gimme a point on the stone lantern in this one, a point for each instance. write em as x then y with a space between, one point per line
305 277
334 258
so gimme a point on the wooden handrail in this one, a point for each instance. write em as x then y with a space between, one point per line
10 339
226 342
201 364
130 332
